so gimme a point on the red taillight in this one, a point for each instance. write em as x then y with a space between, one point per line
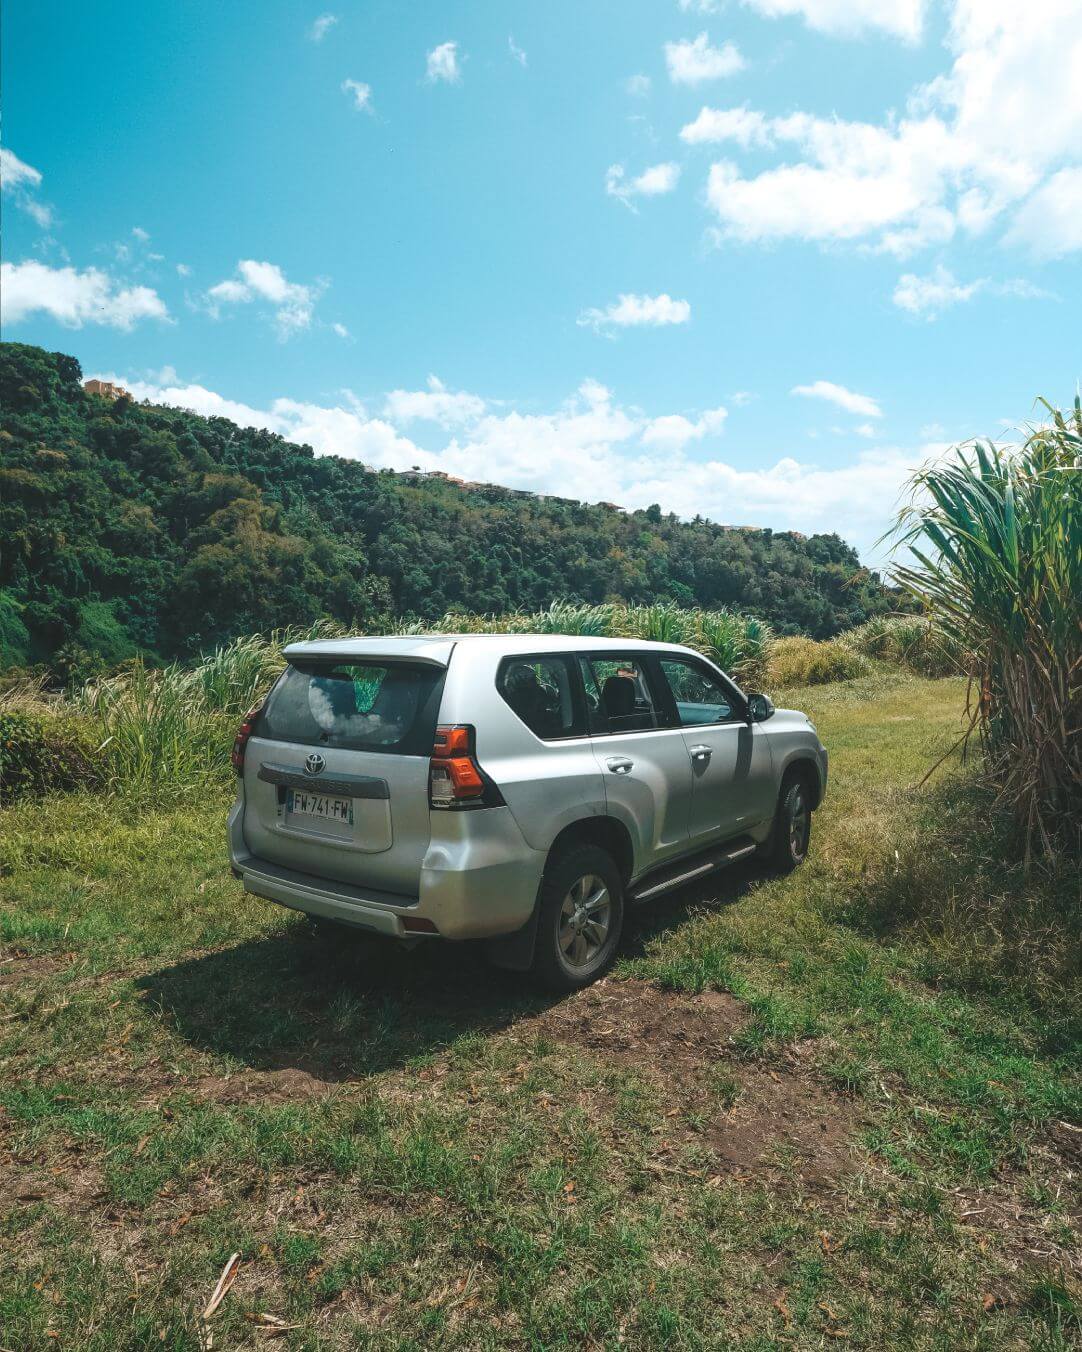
245 731
455 780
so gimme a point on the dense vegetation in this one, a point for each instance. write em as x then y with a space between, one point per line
997 539
130 528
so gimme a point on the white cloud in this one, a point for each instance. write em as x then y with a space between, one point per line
442 64
746 126
321 27
692 61
436 404
653 182
340 330
74 298
183 270
360 93
860 404
858 179
846 18
638 86
1050 223
929 295
701 6
673 431
631 311
996 136
15 173
22 181
517 54
589 447
293 303
143 236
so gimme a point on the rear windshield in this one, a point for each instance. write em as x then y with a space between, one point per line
359 705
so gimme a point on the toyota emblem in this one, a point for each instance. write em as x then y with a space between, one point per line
314 764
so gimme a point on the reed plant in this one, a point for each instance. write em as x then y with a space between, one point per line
995 538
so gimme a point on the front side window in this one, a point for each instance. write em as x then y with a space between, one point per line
618 695
359 705
541 692
699 697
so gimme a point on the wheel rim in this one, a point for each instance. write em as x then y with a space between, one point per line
585 921
799 823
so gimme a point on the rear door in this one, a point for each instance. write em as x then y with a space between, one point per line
336 774
645 765
732 778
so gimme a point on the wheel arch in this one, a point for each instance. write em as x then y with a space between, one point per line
805 768
515 951
607 833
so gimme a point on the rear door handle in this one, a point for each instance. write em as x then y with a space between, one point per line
701 754
619 765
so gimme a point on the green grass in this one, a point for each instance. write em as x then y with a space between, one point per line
411 1151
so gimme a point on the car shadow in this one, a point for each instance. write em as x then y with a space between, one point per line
340 1007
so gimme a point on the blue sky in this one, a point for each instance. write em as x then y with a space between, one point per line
750 258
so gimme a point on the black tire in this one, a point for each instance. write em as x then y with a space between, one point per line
790 835
576 941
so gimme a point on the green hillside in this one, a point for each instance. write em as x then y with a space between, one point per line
127 527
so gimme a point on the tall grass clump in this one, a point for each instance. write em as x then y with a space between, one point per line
996 539
175 724
914 642
804 661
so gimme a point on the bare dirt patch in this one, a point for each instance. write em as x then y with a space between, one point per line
638 1024
20 968
261 1086
757 1117
1034 1226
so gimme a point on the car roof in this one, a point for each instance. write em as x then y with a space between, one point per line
437 647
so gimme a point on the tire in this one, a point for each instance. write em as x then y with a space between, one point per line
580 918
790 835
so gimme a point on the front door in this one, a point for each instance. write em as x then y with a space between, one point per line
733 785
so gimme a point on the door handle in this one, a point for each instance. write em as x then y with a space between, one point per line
701 754
619 765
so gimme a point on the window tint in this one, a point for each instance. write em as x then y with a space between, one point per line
700 697
359 705
541 692
617 695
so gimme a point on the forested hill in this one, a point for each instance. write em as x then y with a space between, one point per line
128 527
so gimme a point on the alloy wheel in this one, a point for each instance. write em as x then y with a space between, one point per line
585 918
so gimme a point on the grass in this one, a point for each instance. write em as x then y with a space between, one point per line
827 1109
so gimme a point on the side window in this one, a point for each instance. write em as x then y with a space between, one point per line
617 695
700 697
541 692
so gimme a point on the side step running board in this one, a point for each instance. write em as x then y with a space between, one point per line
690 869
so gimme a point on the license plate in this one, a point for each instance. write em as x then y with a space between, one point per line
319 806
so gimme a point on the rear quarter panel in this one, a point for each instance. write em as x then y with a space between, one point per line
546 785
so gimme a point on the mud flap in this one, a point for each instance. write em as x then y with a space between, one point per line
514 952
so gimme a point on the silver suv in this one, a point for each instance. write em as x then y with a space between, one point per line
521 789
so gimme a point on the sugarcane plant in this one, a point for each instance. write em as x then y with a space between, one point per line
994 536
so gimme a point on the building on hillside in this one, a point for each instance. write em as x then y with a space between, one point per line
105 389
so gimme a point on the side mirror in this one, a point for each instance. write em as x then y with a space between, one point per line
760 708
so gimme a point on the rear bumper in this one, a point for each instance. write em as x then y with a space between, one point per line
479 879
